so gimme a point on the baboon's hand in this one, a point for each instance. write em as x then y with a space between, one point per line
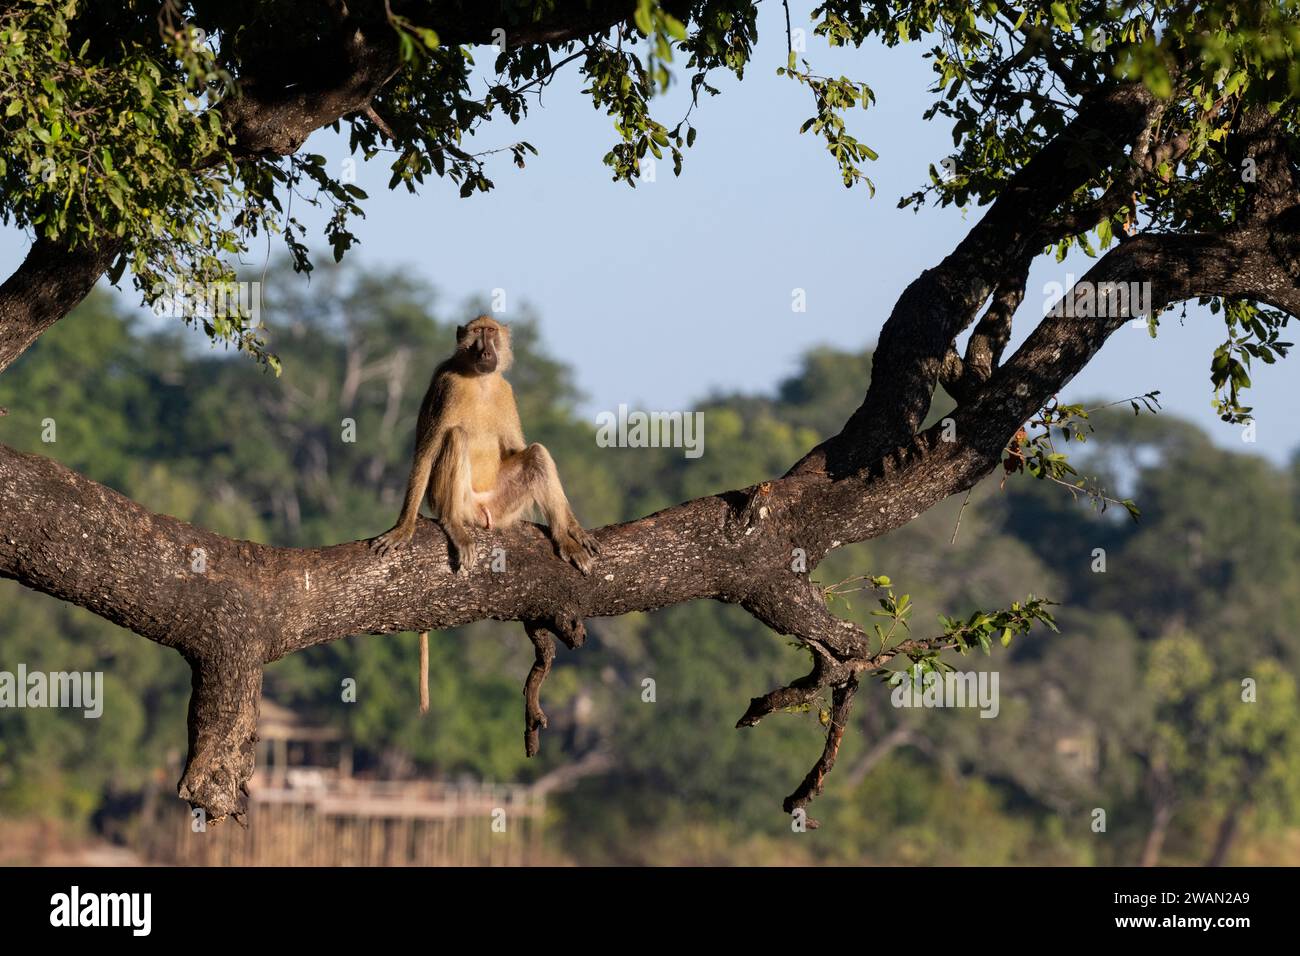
577 547
391 540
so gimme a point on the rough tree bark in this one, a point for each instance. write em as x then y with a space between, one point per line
67 536
47 286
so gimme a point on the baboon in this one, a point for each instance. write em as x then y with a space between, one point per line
471 461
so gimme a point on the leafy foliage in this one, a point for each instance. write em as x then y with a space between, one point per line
116 122
1036 454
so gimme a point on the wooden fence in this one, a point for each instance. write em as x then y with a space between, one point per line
356 823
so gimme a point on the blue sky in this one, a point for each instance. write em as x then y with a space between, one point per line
662 294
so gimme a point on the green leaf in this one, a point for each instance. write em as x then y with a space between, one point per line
1158 82
644 23
117 268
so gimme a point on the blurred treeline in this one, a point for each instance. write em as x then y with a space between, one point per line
1135 709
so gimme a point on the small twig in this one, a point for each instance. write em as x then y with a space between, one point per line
545 78
802 690
379 121
1075 491
957 526
1147 400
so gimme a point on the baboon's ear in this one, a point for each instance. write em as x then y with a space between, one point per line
461 332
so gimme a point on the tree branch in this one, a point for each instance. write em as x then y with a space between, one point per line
942 301
960 377
47 286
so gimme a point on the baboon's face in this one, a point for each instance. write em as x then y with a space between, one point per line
484 346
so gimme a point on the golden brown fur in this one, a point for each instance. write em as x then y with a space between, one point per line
471 462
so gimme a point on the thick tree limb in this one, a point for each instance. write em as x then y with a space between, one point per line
284 98
232 606
51 281
961 376
942 301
